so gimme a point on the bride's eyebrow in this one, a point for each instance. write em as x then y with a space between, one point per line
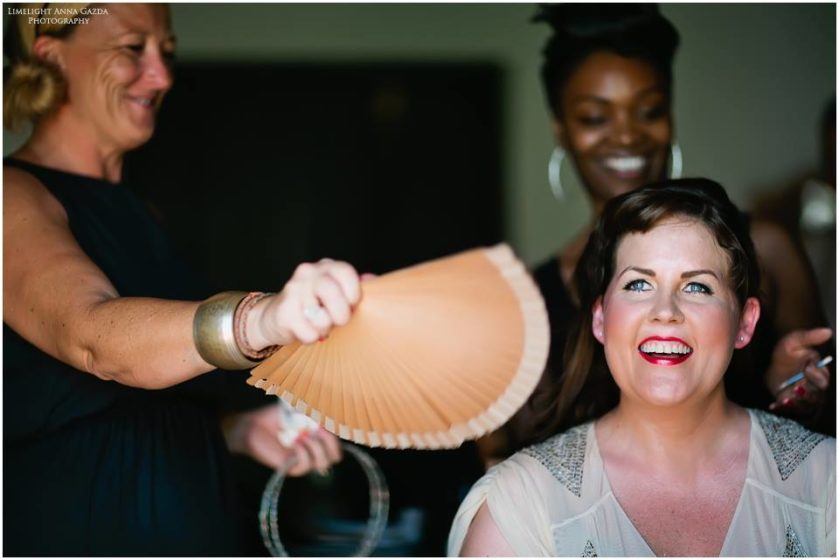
692 273
688 274
645 271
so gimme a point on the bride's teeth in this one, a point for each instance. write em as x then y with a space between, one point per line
665 348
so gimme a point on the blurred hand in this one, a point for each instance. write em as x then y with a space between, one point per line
796 352
318 297
254 433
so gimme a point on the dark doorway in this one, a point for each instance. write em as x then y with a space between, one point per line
256 168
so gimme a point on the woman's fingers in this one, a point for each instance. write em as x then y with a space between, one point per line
313 315
818 376
301 327
793 352
324 305
332 445
302 462
317 298
799 341
801 398
330 290
816 337
334 302
346 277
315 451
816 379
809 391
256 434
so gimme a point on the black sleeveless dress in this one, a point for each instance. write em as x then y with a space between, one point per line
95 468
522 430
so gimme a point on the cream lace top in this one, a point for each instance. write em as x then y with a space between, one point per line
553 499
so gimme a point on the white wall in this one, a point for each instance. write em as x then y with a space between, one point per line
751 80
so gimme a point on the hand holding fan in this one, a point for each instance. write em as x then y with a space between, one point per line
434 354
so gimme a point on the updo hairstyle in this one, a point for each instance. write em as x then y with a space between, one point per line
630 30
34 87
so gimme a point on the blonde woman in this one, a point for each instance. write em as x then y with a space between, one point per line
113 404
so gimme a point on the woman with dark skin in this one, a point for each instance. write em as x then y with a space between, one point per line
607 77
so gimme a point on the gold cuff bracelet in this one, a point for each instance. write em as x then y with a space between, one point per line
214 334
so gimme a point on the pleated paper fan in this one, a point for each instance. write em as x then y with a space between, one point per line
434 354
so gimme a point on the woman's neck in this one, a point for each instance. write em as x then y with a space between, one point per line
570 254
60 143
681 440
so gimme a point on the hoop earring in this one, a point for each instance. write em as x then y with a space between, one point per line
675 160
554 169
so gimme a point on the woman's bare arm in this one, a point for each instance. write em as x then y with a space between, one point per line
483 537
790 279
798 317
55 297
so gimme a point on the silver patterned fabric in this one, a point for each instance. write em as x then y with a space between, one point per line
588 551
563 456
793 546
789 441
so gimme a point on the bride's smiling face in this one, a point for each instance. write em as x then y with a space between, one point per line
669 319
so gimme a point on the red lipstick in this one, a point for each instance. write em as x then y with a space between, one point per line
665 359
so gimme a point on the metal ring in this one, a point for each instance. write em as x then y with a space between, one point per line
379 505
313 311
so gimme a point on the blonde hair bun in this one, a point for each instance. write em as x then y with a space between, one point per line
33 90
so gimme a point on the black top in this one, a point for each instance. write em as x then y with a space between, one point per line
562 312
92 467
521 429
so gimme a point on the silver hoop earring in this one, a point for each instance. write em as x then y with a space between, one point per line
675 160
554 170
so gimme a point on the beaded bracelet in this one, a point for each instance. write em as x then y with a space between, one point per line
240 320
379 503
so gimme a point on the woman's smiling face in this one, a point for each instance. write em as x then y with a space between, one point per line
669 320
616 124
118 68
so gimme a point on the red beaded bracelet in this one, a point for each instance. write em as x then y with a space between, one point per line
240 330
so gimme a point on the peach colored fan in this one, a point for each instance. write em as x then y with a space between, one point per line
434 354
